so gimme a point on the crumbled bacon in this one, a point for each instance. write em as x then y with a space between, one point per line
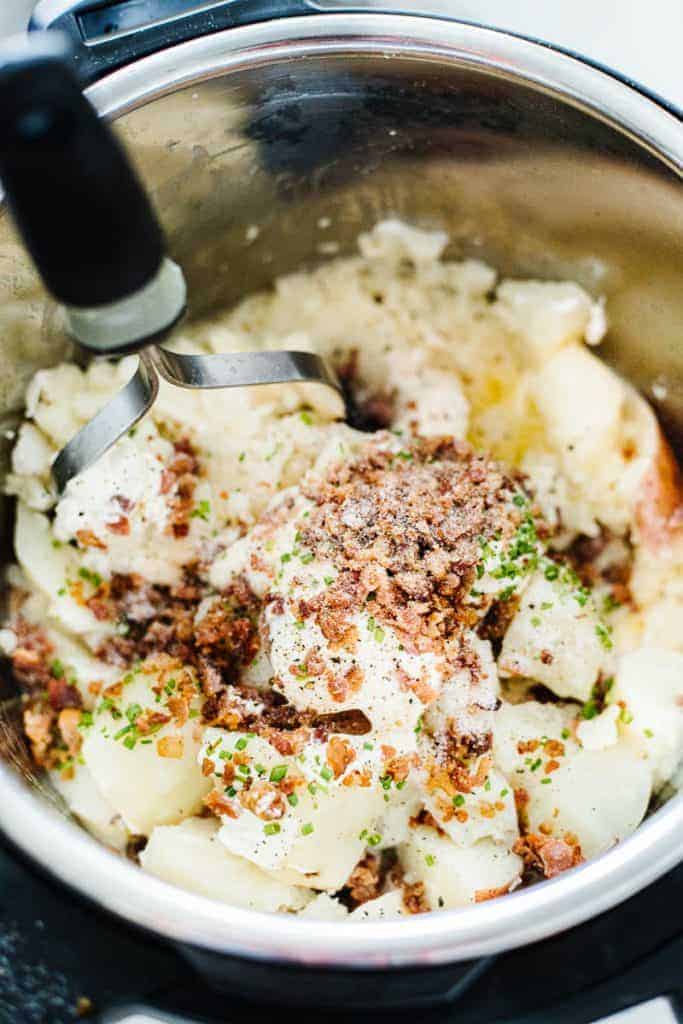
67 723
340 754
39 721
403 532
548 854
366 879
264 800
31 657
89 539
179 481
120 526
170 747
415 898
220 805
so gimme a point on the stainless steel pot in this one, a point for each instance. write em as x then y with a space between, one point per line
530 158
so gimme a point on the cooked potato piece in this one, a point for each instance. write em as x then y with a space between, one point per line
383 908
85 801
49 566
149 778
315 840
489 812
454 876
547 315
582 419
190 855
599 796
649 682
324 907
521 733
555 638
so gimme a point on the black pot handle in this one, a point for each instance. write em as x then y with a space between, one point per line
79 206
108 35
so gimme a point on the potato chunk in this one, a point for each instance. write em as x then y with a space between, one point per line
190 856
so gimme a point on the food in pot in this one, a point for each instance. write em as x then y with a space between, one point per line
360 673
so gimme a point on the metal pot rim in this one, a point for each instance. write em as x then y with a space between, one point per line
523 917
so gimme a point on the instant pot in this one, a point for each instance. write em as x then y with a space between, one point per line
270 133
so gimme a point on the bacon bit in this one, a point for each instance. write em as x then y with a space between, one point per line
76 592
551 766
356 778
554 748
208 767
415 898
67 723
487 809
422 690
481 895
528 746
546 657
366 879
547 854
113 691
340 687
88 539
264 800
340 754
313 663
63 695
220 805
228 773
100 608
499 805
38 722
149 720
120 526
461 816
426 819
31 656
95 687
179 708
170 746
167 481
287 743
399 767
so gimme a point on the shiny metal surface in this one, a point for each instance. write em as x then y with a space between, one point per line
124 410
264 145
113 421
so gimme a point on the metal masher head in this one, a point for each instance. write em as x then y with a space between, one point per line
100 251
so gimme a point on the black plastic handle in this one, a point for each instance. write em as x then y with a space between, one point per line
109 35
82 212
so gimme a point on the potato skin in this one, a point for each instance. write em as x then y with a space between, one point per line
659 510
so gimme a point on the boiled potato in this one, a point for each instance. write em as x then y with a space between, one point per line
555 639
383 908
454 876
600 796
190 855
86 802
649 682
150 779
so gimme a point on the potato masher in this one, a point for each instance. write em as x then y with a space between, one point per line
90 228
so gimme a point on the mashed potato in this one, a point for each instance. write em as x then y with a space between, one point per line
301 667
